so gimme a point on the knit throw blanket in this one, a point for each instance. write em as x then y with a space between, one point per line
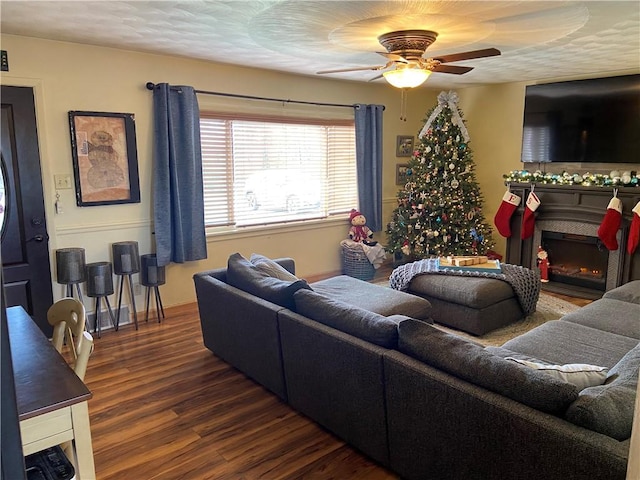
524 281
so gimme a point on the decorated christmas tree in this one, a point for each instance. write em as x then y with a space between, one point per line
439 209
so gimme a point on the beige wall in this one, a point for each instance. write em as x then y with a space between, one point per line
68 76
494 121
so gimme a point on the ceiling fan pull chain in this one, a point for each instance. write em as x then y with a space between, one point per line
403 104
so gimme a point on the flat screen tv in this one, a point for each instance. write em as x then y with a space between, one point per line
589 121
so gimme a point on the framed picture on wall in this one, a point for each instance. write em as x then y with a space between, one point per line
401 173
404 145
105 159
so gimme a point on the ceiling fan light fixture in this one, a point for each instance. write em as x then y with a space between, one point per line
407 77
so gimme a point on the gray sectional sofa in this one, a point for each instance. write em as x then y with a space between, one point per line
365 362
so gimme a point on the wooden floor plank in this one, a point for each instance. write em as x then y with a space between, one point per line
164 407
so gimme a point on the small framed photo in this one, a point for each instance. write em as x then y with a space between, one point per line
105 159
401 173
404 145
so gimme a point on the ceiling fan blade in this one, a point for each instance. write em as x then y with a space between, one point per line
375 78
455 69
456 57
393 56
356 69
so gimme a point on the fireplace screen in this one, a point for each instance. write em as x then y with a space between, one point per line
578 260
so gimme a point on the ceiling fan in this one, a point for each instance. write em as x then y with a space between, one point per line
405 50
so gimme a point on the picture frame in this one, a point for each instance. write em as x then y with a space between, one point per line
404 145
401 173
105 158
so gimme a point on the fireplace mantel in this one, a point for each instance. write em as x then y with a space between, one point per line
574 203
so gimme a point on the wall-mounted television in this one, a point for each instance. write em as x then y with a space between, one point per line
589 121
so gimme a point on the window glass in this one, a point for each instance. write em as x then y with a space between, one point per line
270 170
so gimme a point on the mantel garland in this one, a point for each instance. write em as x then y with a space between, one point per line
613 179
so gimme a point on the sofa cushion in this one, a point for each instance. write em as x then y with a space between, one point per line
473 292
561 342
242 274
271 268
579 374
375 298
355 321
473 363
629 292
609 315
608 409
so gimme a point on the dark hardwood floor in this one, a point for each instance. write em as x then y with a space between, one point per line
164 407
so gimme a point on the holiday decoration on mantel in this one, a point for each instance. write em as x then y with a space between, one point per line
615 178
611 223
439 210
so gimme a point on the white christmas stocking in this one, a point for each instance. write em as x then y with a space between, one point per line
611 223
634 230
529 219
510 202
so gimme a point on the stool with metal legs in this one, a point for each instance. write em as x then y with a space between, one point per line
152 276
70 268
100 285
126 262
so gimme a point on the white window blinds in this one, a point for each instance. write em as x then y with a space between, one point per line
270 170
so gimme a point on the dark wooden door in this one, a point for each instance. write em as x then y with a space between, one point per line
25 243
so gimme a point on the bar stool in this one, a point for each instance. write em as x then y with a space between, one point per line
126 262
70 268
152 276
100 285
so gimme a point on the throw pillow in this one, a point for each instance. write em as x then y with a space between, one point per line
580 374
471 362
242 274
355 321
608 408
271 268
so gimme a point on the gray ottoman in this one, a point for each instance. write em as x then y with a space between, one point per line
374 298
475 305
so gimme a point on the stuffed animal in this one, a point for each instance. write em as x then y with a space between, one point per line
359 232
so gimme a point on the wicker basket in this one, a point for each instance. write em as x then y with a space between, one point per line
355 263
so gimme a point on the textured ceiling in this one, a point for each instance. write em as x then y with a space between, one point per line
539 40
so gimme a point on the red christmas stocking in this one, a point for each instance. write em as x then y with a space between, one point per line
510 202
529 219
610 224
634 230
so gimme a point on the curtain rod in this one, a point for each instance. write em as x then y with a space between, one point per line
151 86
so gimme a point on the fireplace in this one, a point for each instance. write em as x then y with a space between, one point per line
579 260
566 225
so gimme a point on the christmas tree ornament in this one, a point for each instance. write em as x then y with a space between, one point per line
529 219
444 194
611 223
502 220
634 230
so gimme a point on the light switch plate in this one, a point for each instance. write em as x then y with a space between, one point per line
62 181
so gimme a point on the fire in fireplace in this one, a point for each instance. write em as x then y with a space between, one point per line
579 260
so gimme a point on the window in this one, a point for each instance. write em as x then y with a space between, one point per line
270 170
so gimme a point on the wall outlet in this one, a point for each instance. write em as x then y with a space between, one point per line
62 181
137 289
